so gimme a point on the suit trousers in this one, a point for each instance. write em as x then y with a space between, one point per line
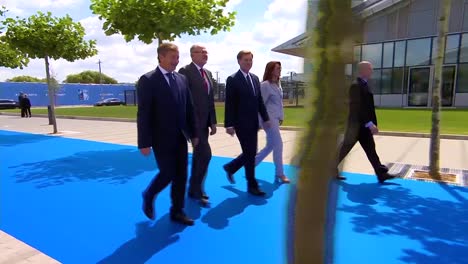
355 133
248 141
200 160
172 164
274 143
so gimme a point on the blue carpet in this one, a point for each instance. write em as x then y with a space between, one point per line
80 202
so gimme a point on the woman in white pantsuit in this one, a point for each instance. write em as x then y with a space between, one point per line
272 95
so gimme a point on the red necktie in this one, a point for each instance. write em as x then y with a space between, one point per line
205 81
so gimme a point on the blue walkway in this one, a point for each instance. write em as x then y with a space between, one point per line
79 202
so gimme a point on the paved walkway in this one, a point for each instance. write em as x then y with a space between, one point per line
409 150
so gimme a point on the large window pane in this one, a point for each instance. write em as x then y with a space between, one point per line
357 54
451 49
464 48
375 82
418 52
397 84
386 81
462 84
400 53
373 54
388 55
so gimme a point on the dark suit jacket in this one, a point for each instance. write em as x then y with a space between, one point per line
241 106
203 102
361 104
160 119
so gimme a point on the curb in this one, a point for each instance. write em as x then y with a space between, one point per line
285 128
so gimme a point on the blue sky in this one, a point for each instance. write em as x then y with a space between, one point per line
260 26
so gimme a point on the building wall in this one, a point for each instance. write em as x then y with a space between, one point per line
413 19
68 94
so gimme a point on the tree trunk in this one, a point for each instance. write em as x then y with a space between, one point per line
51 96
434 152
329 50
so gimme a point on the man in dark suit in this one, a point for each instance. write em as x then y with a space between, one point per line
165 122
362 123
201 87
243 104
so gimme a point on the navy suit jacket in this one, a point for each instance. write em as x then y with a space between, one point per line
242 106
160 119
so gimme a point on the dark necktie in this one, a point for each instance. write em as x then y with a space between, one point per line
249 82
205 81
174 86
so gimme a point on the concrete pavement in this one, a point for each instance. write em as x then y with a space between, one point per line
399 150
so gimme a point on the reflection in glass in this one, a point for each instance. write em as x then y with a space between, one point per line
397 84
419 51
464 48
388 55
419 86
399 54
462 83
386 81
374 82
448 82
373 54
451 49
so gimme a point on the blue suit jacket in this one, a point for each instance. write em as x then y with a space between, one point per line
160 119
242 106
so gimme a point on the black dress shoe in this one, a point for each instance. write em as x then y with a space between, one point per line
205 196
229 175
148 208
181 218
385 176
256 192
340 178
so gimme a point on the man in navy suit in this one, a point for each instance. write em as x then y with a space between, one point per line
165 122
243 104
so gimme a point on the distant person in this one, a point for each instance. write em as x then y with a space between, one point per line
201 86
243 104
272 95
26 105
165 122
21 104
362 123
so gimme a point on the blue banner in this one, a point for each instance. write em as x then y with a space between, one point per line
67 94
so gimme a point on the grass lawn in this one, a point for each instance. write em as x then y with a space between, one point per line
454 121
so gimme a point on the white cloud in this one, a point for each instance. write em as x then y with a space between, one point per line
20 7
127 61
286 9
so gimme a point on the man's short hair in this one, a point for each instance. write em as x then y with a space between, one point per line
242 53
164 48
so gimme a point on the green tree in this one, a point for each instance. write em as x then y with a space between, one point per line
89 77
162 19
434 151
330 47
25 78
10 57
42 36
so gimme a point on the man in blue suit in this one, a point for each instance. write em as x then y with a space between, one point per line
243 104
165 122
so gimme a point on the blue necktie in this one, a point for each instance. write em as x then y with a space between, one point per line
174 86
249 81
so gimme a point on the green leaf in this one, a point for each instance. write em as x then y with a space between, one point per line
148 20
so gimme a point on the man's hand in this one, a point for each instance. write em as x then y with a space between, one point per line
231 131
145 151
194 142
213 129
280 122
374 130
267 124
